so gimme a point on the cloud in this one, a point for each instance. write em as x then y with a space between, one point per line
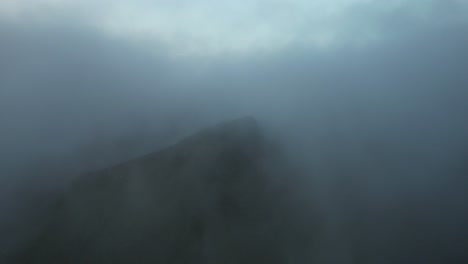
69 69
377 88
208 27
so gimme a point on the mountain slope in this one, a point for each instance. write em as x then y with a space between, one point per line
219 196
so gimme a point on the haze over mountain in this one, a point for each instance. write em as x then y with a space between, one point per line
220 196
367 97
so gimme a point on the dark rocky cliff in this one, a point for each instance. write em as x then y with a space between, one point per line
219 196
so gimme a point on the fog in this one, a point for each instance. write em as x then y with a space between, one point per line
369 99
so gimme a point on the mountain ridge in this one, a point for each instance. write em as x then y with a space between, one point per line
210 198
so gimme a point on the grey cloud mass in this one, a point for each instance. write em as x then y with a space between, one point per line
367 96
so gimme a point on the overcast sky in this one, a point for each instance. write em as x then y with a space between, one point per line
328 74
207 27
272 56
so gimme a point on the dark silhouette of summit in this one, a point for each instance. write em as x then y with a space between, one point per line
218 196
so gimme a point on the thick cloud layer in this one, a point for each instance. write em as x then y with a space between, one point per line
365 94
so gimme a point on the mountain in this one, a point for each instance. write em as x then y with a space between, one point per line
222 195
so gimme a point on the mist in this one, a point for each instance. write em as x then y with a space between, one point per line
368 99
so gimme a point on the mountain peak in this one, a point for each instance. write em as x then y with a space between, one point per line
202 200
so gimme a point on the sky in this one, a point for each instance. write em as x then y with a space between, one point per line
379 85
212 27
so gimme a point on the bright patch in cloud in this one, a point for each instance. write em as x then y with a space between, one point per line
207 27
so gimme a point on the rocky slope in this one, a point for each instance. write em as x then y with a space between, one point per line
219 196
